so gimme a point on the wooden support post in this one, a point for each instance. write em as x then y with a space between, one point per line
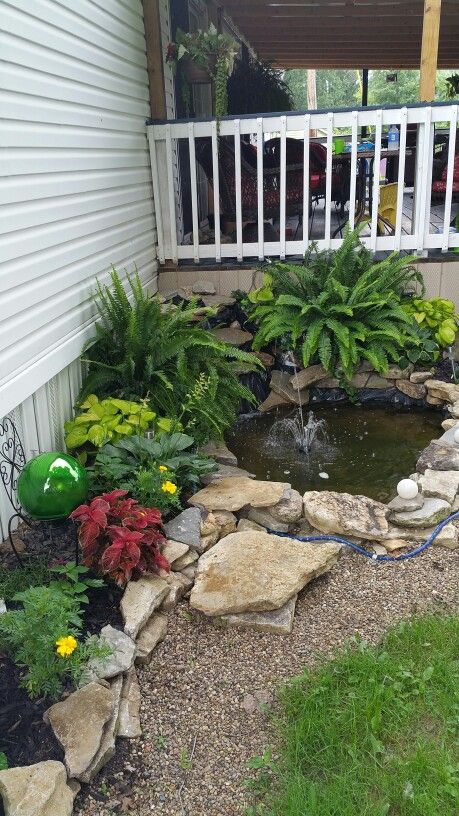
311 93
154 59
364 130
429 50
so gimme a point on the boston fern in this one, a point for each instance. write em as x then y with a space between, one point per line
144 349
338 308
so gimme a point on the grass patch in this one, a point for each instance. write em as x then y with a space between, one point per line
373 732
19 579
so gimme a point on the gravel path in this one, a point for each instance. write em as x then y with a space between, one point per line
199 691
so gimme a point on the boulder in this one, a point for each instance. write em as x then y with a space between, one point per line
447 424
245 524
440 484
121 659
308 376
454 410
280 384
431 513
394 372
235 337
107 745
430 400
265 358
420 376
185 561
256 572
289 508
438 457
37 790
263 518
411 389
399 505
217 301
273 400
217 450
203 287
329 382
190 572
447 537
186 528
210 532
345 515
277 622
78 723
225 472
447 438
173 550
178 585
129 715
233 494
153 632
140 600
226 521
378 382
448 392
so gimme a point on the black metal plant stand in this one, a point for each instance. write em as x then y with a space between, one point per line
12 461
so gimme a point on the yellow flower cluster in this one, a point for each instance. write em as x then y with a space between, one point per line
163 468
65 646
169 487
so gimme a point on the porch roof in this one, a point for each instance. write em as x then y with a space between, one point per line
343 33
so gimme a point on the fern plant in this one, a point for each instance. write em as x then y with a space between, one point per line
144 349
339 308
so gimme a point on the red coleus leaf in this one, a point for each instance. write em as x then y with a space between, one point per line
113 496
96 512
122 534
88 532
120 559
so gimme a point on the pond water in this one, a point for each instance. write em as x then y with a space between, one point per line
364 450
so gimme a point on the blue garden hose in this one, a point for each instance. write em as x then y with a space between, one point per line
373 556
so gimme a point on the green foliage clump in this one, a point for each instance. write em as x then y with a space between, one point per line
109 419
338 308
30 636
438 315
146 351
373 731
148 468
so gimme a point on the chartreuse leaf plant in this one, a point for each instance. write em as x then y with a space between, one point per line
338 308
438 315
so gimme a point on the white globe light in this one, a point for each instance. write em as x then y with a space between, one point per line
407 489
456 436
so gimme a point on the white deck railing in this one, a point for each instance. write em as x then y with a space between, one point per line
164 138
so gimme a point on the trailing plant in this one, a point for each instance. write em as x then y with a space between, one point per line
338 308
424 352
438 316
143 350
211 51
148 468
109 419
256 87
120 538
42 637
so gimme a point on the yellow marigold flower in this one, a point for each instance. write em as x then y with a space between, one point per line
163 468
169 487
65 646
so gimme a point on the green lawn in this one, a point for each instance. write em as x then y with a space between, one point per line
373 732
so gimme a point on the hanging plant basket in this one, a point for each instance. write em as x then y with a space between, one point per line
196 74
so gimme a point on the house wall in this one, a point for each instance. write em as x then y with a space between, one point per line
75 191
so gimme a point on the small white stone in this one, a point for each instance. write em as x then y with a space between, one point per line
323 475
407 489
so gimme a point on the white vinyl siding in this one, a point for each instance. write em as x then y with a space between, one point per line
75 182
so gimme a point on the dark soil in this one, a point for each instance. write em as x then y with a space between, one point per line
24 737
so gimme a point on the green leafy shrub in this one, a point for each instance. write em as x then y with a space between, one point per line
143 350
338 308
42 638
424 352
144 466
73 580
436 314
101 421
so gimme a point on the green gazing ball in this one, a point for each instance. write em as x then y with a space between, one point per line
51 485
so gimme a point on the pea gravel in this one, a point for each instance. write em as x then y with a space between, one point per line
202 711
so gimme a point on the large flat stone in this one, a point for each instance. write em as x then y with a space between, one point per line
264 518
225 472
411 389
217 450
140 600
37 790
129 716
277 622
420 376
438 457
185 561
447 537
78 723
400 505
256 572
449 392
346 515
235 337
173 550
153 632
447 438
440 484
273 400
106 748
186 527
378 382
394 372
121 659
280 384
232 494
431 513
308 376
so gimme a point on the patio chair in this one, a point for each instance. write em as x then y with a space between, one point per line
439 186
387 211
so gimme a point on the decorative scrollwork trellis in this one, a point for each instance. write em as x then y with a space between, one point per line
12 460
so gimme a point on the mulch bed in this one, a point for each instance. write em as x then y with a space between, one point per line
24 737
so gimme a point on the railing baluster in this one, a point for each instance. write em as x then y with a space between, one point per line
328 180
400 179
376 173
156 194
216 186
260 203
306 148
422 179
171 191
449 177
194 191
237 171
353 184
283 183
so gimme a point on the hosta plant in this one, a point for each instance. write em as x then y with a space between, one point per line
146 351
100 421
120 538
338 308
438 315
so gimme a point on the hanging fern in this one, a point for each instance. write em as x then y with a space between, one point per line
339 308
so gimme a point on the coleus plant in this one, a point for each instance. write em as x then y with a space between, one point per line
119 537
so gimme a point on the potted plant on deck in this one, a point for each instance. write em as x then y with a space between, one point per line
204 56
